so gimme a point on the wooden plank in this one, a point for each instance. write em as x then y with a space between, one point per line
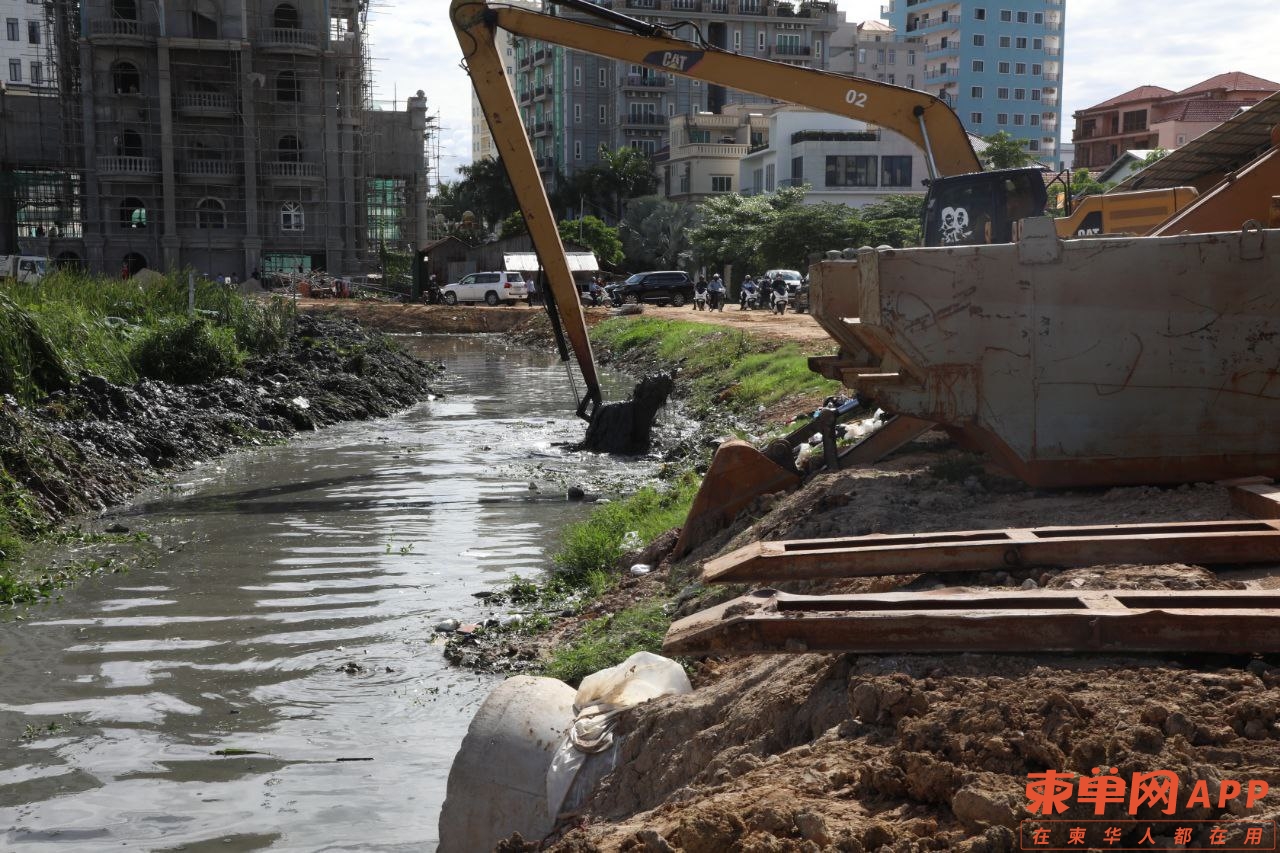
1197 543
1259 500
1111 621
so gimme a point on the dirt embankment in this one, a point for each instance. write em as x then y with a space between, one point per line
94 445
932 752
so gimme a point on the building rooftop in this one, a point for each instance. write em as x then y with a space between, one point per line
1233 81
875 26
1142 93
1202 109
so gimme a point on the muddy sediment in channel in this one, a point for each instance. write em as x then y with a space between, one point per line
97 443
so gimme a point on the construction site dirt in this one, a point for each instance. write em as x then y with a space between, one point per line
907 752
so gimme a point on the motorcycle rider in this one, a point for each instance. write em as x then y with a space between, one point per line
596 291
748 291
716 289
779 295
700 295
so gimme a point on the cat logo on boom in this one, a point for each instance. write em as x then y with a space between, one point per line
675 60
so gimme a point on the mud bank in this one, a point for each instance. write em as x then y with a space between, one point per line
427 319
92 446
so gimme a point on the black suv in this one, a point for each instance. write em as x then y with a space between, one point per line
665 287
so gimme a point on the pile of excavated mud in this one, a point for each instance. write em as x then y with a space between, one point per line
93 445
915 752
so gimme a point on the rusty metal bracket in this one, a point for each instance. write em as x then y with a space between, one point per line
1196 542
1119 621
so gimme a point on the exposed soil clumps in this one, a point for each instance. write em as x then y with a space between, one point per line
625 428
93 445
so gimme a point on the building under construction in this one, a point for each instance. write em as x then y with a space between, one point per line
221 136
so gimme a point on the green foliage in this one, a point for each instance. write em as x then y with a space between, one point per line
591 233
596 544
730 230
185 351
609 641
894 221
802 230
1083 184
484 190
513 226
1154 155
1004 151
607 186
655 234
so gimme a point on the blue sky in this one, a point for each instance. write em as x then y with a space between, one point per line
1110 48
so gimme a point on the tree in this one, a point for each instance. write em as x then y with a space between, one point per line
620 176
592 233
1153 156
655 234
802 230
894 221
513 226
730 229
484 190
1004 151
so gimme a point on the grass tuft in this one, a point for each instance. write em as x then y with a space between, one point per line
609 641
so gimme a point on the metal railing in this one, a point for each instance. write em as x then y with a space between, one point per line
647 119
646 81
790 50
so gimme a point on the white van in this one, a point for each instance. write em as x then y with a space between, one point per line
24 269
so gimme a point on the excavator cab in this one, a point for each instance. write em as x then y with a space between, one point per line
981 207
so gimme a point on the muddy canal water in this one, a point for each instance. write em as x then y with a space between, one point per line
275 570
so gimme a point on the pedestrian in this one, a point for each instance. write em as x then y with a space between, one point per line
716 289
124 271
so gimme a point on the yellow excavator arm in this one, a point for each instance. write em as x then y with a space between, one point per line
918 116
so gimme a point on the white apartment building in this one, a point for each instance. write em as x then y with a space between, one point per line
26 47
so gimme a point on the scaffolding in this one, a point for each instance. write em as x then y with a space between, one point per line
221 137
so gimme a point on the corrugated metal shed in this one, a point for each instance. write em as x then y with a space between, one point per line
1229 146
528 262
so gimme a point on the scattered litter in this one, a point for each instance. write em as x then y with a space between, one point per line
447 625
301 402
631 541
641 569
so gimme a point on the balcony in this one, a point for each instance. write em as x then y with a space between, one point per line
289 40
526 95
541 128
949 50
540 92
646 81
1053 51
123 166
643 120
121 32
209 171
213 104
288 172
546 163
942 76
790 50
709 149
752 7
1049 101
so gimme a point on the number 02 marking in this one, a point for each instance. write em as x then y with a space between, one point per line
858 99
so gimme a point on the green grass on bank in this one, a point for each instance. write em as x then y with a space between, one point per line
72 323
726 367
609 641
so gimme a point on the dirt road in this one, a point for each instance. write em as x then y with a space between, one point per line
395 317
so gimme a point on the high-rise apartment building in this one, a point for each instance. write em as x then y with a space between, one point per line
999 65
573 103
26 48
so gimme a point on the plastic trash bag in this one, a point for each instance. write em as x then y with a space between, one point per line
601 697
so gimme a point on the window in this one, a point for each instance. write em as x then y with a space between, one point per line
577 113
128 144
124 10
1020 43
700 137
1002 118
292 217
1038 18
37 74
604 114
1003 68
852 170
817 49
1019 94
1020 68
911 81
671 109
1034 145
125 78
288 87
797 171
289 150
577 75
979 14
211 213
604 78
1006 16
862 56
1035 120
1182 139
979 40
879 53
978 66
1002 93
33 32
15 70
891 76
760 41
1037 44
1022 17
285 17
737 41
721 184
1018 119
895 171
577 149
1004 41
911 57
1037 69
975 118
133 213
11 28
975 91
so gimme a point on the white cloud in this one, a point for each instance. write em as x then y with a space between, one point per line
1109 48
